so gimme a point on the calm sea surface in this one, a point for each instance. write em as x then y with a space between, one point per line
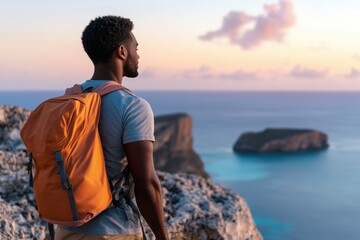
307 196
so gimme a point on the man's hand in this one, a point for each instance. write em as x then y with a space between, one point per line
147 186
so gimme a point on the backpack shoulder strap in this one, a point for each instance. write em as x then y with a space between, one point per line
108 87
103 89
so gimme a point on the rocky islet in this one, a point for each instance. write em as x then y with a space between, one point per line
281 140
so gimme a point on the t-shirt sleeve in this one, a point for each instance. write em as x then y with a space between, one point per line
138 122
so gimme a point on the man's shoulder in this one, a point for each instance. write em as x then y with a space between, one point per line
127 103
127 97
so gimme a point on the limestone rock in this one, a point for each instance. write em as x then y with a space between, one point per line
281 140
18 216
196 208
14 177
11 121
173 148
20 221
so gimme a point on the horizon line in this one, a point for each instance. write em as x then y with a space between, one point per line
197 90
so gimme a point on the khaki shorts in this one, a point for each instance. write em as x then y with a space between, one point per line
62 234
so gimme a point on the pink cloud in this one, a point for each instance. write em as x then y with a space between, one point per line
239 75
203 72
233 23
207 73
302 72
272 26
148 73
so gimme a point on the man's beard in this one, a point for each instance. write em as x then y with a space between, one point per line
130 70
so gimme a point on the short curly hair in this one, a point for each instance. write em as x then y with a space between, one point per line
105 34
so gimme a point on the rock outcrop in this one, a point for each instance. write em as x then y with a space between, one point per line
20 220
173 148
194 207
11 121
18 216
281 140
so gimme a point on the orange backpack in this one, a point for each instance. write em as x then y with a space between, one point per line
70 182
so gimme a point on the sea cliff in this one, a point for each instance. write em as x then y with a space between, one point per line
173 148
195 207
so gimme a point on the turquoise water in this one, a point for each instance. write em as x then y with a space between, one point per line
306 196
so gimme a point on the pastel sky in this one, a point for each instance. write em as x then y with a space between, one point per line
264 45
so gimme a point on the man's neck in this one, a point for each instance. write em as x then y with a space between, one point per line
107 72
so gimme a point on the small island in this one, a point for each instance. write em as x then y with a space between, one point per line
281 140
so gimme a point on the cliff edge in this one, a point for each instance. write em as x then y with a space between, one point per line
194 207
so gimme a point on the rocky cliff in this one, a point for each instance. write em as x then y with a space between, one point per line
281 140
18 215
194 207
173 148
11 121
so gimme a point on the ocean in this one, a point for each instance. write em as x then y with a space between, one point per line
302 196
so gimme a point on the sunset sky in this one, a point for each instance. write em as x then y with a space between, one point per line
262 45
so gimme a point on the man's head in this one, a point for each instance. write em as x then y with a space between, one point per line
109 35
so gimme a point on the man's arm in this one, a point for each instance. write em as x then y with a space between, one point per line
147 186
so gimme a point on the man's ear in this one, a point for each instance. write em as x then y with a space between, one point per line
122 52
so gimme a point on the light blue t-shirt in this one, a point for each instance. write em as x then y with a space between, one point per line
124 118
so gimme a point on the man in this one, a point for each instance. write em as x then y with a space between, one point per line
126 128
